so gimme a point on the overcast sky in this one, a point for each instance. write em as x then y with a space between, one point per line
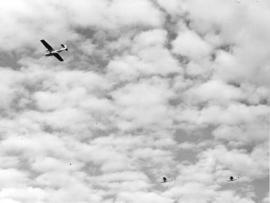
148 88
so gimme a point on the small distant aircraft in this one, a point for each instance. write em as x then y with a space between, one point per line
165 180
231 179
53 52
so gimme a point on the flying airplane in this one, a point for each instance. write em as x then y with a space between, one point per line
231 179
53 52
165 180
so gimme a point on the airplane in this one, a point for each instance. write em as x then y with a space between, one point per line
53 52
165 180
231 179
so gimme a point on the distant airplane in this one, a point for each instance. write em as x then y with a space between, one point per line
165 180
53 52
231 179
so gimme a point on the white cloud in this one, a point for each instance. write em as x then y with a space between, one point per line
142 197
234 114
266 199
189 44
149 89
144 104
12 178
215 91
148 56
172 7
236 134
29 194
39 19
128 12
251 165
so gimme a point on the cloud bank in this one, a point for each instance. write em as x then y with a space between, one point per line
150 88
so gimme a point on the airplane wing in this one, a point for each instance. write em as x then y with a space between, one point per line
58 57
46 45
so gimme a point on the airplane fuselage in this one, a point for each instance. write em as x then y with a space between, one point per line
50 53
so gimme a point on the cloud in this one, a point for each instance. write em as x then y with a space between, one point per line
215 91
172 7
189 44
14 195
135 104
148 57
148 89
251 165
235 25
266 199
141 197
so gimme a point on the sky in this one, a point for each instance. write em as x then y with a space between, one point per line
148 88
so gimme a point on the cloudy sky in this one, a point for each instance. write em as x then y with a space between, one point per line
149 88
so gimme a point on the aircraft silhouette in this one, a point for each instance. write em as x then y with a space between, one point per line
53 52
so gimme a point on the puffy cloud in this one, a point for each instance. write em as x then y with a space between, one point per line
236 25
243 134
142 197
29 194
215 91
148 57
172 7
190 44
59 17
135 13
137 99
251 165
149 89
12 178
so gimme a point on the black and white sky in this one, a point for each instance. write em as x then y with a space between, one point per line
148 88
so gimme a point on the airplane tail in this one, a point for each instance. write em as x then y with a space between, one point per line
64 46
